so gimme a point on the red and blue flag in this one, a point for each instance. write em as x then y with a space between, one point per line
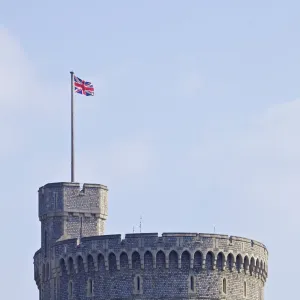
83 87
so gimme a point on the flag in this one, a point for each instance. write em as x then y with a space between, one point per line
83 87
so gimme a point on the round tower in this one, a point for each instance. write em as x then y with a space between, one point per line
146 265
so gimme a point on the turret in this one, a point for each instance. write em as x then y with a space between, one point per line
66 211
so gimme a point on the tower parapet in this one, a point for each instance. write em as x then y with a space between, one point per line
170 266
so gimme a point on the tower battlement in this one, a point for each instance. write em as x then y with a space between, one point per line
63 198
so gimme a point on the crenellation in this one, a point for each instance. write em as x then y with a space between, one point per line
70 248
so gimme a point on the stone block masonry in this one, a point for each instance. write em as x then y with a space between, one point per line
145 266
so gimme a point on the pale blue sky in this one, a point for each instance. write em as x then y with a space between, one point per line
195 121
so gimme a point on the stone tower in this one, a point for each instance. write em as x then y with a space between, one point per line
76 261
68 212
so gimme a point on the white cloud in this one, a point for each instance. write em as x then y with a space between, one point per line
15 76
16 73
260 164
25 106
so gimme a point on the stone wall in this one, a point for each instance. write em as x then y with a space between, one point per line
148 266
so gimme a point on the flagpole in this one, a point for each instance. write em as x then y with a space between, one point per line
72 126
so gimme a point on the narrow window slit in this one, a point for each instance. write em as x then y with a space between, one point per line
138 283
224 285
192 283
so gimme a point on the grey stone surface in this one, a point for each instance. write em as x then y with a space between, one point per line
140 266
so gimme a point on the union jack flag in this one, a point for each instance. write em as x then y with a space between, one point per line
83 87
